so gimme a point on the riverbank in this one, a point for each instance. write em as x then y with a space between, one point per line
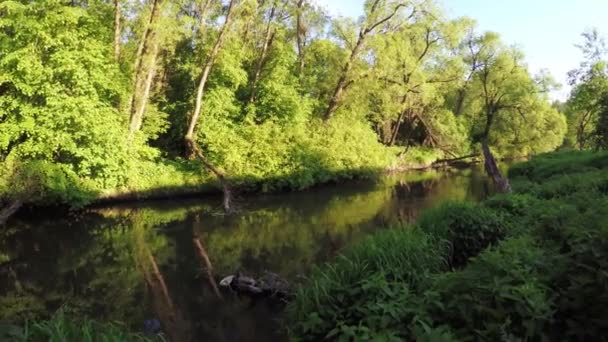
178 179
64 327
100 262
526 265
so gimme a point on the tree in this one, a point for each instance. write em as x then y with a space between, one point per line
378 15
504 88
590 82
192 148
62 135
145 67
601 128
411 69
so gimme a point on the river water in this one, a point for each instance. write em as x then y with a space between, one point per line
161 260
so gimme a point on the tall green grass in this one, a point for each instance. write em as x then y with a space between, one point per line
61 328
524 266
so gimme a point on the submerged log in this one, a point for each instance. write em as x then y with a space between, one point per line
9 211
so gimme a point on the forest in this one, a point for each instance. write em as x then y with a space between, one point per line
103 101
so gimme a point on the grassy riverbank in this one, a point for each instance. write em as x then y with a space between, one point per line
527 265
62 327
44 184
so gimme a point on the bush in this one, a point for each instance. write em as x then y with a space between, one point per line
523 266
369 290
501 295
62 328
419 157
544 166
581 285
466 228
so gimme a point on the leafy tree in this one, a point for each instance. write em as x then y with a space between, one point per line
58 96
590 82
100 96
601 128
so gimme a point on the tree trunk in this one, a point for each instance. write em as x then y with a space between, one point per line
190 133
300 37
460 101
502 183
192 149
9 211
399 121
145 68
269 36
117 29
336 97
138 116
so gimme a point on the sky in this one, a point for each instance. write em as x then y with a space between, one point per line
545 30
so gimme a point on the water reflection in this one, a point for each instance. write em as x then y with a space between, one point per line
162 260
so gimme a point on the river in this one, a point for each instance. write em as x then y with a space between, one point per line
161 260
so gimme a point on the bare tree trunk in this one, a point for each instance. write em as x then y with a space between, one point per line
138 116
395 132
9 211
399 121
336 97
492 169
145 67
190 133
300 36
117 29
460 101
269 36
192 149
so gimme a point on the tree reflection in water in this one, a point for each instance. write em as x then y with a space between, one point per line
162 260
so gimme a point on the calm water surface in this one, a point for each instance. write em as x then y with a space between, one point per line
162 260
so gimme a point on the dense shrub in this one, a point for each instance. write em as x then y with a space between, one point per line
63 328
369 289
502 294
523 266
560 163
466 228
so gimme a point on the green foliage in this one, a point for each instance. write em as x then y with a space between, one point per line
59 92
501 294
544 281
601 127
555 164
466 228
63 328
585 108
419 157
71 110
273 155
366 291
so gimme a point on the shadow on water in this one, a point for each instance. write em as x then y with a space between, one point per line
163 259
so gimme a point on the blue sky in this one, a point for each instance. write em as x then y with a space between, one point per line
546 30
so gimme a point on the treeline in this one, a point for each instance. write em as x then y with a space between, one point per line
122 95
587 107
